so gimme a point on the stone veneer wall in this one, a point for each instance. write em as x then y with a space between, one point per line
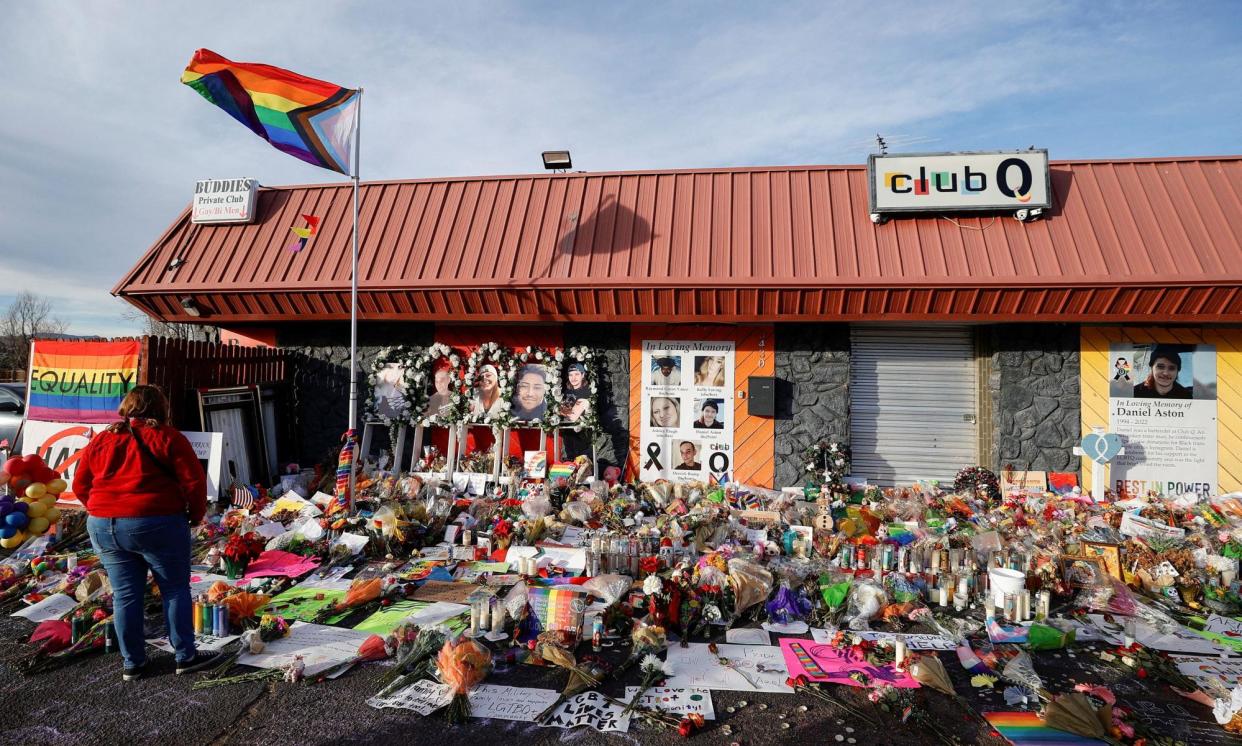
1034 385
320 377
612 344
812 394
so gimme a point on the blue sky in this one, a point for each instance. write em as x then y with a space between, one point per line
100 144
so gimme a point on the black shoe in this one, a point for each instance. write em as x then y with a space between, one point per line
198 663
133 674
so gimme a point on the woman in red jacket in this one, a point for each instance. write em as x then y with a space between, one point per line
143 487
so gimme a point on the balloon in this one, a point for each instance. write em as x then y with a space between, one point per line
36 491
19 484
21 507
57 486
46 475
4 478
7 532
5 509
32 462
48 500
38 526
37 510
15 466
52 515
13 541
17 520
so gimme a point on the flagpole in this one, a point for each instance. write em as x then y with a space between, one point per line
353 306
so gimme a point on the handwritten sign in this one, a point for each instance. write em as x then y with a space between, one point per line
913 641
750 668
440 590
423 696
53 607
828 664
590 709
679 702
509 702
321 647
203 643
1208 668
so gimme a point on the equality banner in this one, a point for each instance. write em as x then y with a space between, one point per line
1162 402
80 381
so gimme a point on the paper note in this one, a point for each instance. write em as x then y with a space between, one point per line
53 607
509 702
1208 668
590 709
748 636
1179 640
200 582
558 607
570 559
825 663
913 642
320 646
422 613
1223 625
203 643
1136 525
752 668
675 701
423 696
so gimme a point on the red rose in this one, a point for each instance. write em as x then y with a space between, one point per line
685 729
1142 673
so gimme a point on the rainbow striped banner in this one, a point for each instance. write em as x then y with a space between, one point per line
81 381
1026 729
310 119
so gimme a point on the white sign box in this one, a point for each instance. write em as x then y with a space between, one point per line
224 201
959 182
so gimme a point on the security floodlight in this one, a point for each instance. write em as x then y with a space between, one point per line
191 308
557 160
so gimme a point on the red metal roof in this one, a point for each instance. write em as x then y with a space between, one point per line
1133 240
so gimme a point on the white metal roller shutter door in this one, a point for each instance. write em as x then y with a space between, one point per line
912 403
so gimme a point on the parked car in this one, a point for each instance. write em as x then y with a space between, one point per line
12 407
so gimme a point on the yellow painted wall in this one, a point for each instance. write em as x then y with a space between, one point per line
1096 371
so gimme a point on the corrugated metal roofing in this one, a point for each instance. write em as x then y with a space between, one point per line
1141 240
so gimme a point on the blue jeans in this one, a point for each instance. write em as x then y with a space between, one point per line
128 547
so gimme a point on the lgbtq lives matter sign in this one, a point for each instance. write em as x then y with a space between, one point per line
82 382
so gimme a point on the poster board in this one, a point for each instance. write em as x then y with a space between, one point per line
687 410
1162 402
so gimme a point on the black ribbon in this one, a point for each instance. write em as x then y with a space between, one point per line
653 457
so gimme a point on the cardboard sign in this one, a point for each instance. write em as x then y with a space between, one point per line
590 709
518 703
423 696
679 702
439 590
1024 480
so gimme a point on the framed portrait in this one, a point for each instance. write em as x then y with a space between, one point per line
1109 554
709 370
577 401
665 411
1083 572
665 369
389 389
530 392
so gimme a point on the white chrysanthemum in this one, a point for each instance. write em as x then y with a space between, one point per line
652 585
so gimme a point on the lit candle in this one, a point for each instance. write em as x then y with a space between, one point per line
498 620
944 595
900 651
1045 604
474 620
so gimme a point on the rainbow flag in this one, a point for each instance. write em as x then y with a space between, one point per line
309 119
81 381
1026 729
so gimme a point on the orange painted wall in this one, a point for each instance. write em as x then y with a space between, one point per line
249 337
754 450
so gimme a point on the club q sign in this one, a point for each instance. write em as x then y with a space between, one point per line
959 182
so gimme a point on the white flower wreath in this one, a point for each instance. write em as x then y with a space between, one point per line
551 362
418 375
401 356
502 358
589 421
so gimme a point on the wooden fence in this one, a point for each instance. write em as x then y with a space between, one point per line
181 367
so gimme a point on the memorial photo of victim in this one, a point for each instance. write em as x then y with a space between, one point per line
665 411
390 392
441 395
530 386
486 392
665 369
709 370
576 393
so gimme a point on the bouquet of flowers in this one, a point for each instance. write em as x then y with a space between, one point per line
653 670
270 628
239 551
374 648
360 592
462 665
416 653
647 639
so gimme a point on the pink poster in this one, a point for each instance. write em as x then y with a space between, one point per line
824 663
